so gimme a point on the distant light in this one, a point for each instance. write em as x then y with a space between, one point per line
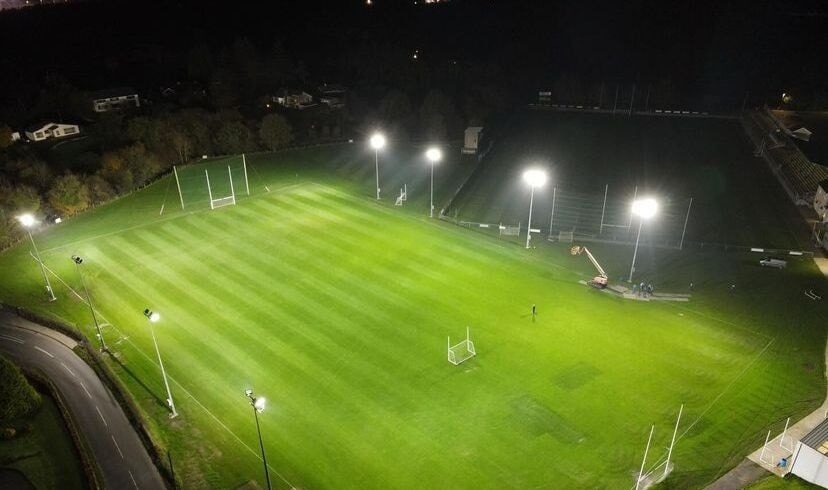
434 155
259 404
58 220
377 141
535 178
645 208
26 220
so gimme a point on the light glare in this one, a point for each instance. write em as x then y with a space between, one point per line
535 178
645 208
259 404
154 317
377 141
434 155
26 220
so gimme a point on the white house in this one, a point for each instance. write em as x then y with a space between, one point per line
809 460
472 138
821 200
44 131
295 99
115 99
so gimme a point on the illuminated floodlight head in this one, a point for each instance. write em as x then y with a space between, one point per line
434 154
27 220
377 141
77 259
259 404
152 315
535 177
645 208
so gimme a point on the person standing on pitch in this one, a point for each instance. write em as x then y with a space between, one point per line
534 311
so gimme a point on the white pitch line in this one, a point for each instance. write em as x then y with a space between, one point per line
84 389
13 339
101 415
45 352
69 370
117 446
133 478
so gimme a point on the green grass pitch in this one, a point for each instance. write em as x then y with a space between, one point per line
337 310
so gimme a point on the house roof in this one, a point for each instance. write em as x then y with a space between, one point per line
331 88
112 92
817 437
47 124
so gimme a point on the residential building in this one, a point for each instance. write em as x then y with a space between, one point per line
44 131
115 99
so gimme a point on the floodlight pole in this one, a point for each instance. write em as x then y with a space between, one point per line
42 268
261 443
376 167
431 206
635 251
163 374
554 189
603 209
529 224
686 219
91 308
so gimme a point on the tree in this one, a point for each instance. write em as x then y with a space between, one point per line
19 198
143 165
5 136
99 189
275 131
234 137
114 170
68 195
17 397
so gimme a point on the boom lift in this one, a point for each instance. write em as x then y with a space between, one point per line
599 281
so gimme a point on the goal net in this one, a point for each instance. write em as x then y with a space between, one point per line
211 183
461 352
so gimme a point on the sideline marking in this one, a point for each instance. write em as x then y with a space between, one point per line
84 389
69 370
117 446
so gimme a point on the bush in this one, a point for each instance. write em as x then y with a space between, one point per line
17 397
68 195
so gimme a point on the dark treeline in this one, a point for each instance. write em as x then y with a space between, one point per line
208 75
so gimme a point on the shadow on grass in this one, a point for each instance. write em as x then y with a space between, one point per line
162 403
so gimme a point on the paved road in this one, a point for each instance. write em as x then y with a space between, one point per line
122 458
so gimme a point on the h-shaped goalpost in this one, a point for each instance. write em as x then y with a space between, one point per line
222 201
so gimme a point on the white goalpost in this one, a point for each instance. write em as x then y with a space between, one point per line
403 195
221 201
462 351
190 183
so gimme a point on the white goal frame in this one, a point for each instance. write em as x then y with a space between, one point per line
221 201
465 345
403 195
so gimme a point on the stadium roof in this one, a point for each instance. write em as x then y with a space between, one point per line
816 148
818 437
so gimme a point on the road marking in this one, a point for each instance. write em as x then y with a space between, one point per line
84 389
117 447
45 352
13 339
133 479
69 370
102 417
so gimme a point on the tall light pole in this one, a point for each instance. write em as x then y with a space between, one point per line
258 404
433 155
28 221
377 143
153 317
644 208
78 261
535 178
